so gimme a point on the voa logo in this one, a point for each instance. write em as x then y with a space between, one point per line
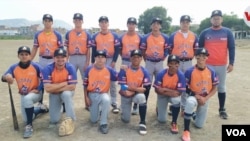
236 132
247 16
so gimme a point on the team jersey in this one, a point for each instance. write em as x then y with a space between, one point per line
77 43
156 47
27 79
129 43
52 75
98 80
47 42
134 77
201 81
173 82
181 46
218 42
108 42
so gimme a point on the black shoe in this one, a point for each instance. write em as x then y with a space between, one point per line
223 114
115 109
104 128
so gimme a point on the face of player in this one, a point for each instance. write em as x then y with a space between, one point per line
100 61
156 26
47 23
24 57
131 27
184 25
201 59
78 23
216 21
60 61
135 60
104 25
173 67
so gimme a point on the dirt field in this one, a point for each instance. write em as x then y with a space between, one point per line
237 104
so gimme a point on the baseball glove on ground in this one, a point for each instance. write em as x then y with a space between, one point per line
66 127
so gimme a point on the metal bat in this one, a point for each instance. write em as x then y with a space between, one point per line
15 122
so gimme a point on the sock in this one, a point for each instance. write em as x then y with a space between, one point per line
147 91
135 106
186 124
142 112
29 114
175 113
63 107
222 98
41 101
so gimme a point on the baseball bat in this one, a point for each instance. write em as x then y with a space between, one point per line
15 122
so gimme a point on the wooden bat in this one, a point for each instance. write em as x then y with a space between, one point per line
15 122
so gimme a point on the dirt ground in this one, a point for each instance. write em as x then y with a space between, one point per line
237 104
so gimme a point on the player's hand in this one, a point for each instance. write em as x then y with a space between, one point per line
126 93
34 91
201 100
230 68
87 102
112 65
140 89
9 78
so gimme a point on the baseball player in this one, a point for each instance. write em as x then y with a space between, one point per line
109 42
183 43
220 43
169 85
201 86
28 77
78 45
60 81
132 81
131 40
46 41
97 80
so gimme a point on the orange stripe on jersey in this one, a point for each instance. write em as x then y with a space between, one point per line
105 42
129 43
219 52
134 78
171 81
155 47
58 76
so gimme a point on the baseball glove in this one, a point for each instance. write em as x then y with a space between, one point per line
66 127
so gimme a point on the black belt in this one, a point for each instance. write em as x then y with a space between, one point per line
47 57
153 60
186 59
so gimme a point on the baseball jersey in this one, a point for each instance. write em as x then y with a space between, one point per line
27 79
77 43
181 46
156 47
174 82
201 81
108 42
98 80
47 42
134 77
52 75
129 43
218 42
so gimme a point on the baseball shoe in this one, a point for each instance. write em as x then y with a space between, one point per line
186 136
115 109
174 128
104 128
135 110
28 131
44 108
223 114
142 129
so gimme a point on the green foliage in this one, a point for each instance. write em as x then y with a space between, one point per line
15 37
149 14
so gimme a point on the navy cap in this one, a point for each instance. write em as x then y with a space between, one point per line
101 52
173 58
60 52
102 18
23 49
201 51
216 13
135 52
185 18
47 16
78 16
132 20
156 19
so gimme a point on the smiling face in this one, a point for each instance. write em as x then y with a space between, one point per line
173 67
60 61
135 60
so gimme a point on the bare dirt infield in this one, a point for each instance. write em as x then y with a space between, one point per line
237 105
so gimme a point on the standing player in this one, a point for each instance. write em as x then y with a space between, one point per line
202 85
183 43
169 85
78 43
134 79
219 41
109 42
97 80
28 78
131 40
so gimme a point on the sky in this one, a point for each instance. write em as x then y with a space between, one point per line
118 11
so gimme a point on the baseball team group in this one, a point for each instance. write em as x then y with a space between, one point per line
181 87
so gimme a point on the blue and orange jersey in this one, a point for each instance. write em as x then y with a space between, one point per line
181 46
129 43
51 75
201 81
174 82
109 42
77 43
134 77
47 42
156 47
27 79
98 80
218 42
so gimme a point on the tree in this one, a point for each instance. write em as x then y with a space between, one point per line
149 14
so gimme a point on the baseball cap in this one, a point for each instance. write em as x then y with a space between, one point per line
185 18
23 49
156 19
101 52
216 13
173 58
201 51
135 52
102 18
47 16
132 20
60 51
78 16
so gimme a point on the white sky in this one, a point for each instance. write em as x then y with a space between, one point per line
117 10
